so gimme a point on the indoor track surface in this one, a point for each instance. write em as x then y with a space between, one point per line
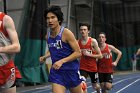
122 83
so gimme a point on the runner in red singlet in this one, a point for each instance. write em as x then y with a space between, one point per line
105 65
90 52
9 45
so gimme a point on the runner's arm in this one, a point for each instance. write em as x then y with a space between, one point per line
118 52
10 28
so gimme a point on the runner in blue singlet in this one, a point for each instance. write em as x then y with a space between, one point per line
64 51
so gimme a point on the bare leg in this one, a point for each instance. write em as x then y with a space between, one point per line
10 90
57 88
77 89
97 87
105 86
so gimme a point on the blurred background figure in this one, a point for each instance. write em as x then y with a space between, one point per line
134 59
134 62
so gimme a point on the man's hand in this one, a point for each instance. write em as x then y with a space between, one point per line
42 59
114 64
87 53
57 64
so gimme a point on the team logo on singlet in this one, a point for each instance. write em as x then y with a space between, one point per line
57 45
88 51
106 55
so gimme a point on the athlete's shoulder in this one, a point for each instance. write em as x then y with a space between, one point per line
110 46
7 17
93 40
7 20
67 35
67 32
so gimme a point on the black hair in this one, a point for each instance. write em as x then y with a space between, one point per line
84 24
55 10
102 33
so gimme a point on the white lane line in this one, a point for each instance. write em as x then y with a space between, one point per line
116 82
41 91
44 87
123 80
128 86
47 87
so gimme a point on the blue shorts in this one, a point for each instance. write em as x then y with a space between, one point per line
68 79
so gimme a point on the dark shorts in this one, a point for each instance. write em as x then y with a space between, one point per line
13 85
93 75
105 77
68 79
